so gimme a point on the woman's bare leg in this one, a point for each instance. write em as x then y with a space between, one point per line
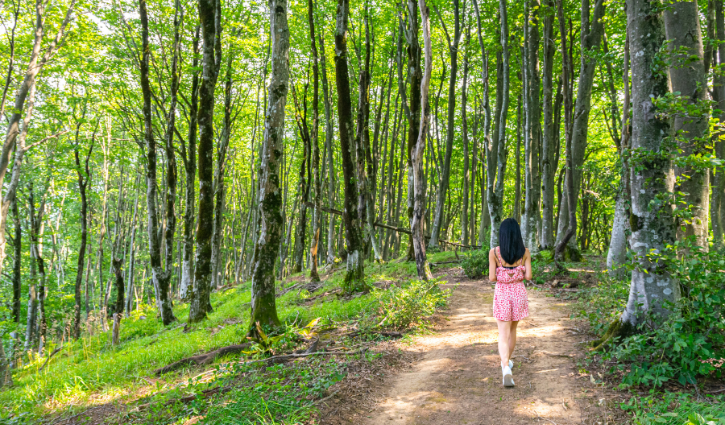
504 338
512 338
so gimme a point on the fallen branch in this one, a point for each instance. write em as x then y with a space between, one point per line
390 227
50 357
203 359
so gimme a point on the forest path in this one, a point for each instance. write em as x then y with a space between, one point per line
457 380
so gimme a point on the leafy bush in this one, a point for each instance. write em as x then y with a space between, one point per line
691 342
401 307
539 261
475 264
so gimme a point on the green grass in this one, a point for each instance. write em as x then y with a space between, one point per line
90 371
676 409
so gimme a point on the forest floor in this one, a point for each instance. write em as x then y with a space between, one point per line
455 377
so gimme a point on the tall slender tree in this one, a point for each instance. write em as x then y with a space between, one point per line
161 277
355 275
264 308
211 28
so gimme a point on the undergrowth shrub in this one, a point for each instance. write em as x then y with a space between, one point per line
401 307
475 264
689 344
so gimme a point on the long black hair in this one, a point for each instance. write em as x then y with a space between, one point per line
510 241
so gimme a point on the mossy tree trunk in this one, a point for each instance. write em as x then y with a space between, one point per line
355 275
210 17
653 227
264 309
316 216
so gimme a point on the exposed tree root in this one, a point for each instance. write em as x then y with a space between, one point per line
203 359
616 329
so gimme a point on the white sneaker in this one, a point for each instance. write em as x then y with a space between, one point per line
511 364
508 377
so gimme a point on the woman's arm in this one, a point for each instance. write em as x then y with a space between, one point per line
491 266
527 262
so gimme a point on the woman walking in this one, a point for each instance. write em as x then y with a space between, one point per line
508 265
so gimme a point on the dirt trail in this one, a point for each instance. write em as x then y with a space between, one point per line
457 380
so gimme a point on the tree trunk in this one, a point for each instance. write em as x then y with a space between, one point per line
39 56
189 154
688 77
316 217
160 277
210 17
527 176
532 129
551 137
487 142
217 279
17 262
84 178
417 230
171 171
653 227
450 134
591 38
264 309
117 263
617 254
497 150
464 137
331 173
718 190
355 276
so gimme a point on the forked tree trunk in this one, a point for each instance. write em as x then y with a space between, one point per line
264 308
417 229
355 275
688 77
210 17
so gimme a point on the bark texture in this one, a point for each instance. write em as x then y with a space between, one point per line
419 203
688 78
652 222
497 150
264 309
355 276
210 17
160 277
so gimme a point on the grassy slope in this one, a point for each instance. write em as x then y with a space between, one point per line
90 371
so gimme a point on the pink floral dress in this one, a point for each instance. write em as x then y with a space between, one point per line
510 302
